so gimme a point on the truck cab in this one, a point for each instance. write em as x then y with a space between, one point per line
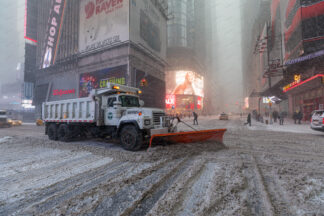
116 106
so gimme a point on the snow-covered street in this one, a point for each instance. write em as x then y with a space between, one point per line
259 171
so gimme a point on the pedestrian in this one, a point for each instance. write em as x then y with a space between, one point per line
275 116
295 117
300 116
281 118
249 119
195 115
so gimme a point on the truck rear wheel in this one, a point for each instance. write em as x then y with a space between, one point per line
64 133
52 132
131 139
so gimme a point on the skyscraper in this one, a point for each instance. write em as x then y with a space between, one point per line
187 56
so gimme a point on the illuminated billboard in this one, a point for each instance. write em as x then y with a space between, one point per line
185 90
185 83
103 23
99 79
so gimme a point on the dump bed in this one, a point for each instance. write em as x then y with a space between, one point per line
75 110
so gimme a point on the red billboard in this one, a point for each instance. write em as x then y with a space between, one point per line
170 101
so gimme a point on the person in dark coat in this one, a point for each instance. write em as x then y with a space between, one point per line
281 118
300 117
195 115
249 119
295 117
275 116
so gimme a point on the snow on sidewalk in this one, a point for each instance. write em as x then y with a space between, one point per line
4 139
288 126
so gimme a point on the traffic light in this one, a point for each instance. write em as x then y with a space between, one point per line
143 82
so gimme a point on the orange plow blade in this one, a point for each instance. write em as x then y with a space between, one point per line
215 135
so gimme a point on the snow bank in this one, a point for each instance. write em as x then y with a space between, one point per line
289 127
5 139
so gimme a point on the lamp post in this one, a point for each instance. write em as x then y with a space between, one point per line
270 105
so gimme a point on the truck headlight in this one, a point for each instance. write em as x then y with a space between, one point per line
147 121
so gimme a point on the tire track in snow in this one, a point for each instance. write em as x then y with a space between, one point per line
61 187
173 198
129 197
150 199
262 188
90 200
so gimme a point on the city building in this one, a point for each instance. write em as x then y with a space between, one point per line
15 94
83 44
188 56
292 68
304 56
255 24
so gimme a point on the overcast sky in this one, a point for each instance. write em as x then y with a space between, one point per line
227 51
11 40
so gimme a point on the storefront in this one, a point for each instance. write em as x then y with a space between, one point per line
306 95
99 79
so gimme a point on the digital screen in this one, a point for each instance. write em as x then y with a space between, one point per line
186 83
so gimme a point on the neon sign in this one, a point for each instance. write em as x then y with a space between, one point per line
199 102
170 101
61 92
303 82
297 80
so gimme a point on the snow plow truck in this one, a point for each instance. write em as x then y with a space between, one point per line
116 112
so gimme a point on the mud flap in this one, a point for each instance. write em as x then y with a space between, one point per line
215 135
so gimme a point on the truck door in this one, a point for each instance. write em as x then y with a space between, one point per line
112 115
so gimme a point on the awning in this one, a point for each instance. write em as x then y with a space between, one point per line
255 94
305 58
275 90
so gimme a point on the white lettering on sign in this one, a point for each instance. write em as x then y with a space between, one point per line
52 35
103 23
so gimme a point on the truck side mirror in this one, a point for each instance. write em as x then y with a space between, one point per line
117 104
141 102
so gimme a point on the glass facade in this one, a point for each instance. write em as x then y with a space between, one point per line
180 27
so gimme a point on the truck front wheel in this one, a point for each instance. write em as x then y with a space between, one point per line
131 139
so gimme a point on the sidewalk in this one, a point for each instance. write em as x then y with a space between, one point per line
289 126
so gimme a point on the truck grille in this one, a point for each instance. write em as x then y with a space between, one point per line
156 117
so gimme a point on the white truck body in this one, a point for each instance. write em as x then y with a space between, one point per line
105 111
75 110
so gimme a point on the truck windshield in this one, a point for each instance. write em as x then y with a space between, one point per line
129 101
319 113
